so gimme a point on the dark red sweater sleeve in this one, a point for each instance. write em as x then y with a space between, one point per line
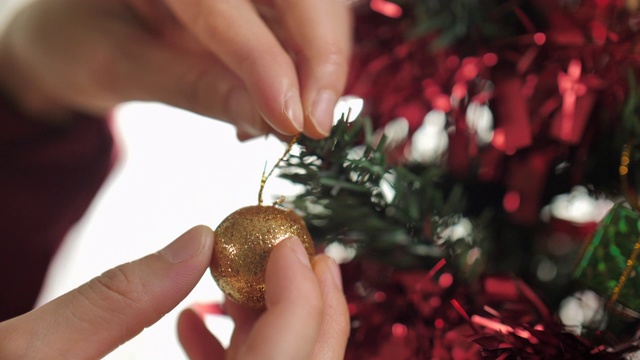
48 178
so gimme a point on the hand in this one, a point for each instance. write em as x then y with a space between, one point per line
306 314
260 65
94 319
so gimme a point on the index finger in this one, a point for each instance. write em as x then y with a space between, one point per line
235 32
95 318
319 33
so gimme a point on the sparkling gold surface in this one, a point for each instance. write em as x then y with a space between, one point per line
243 242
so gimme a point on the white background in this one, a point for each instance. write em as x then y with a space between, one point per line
175 170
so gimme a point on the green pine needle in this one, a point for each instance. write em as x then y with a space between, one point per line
344 201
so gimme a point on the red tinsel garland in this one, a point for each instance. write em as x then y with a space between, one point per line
425 315
541 85
552 88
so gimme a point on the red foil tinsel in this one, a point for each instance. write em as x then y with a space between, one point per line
542 85
406 315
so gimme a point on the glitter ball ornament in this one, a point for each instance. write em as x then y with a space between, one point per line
243 242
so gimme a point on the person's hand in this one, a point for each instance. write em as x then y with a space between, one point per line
260 64
306 314
94 319
306 311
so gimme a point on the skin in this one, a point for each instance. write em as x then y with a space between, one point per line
306 315
265 66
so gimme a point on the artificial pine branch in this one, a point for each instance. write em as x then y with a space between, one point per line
344 201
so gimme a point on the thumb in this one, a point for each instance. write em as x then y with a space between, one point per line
290 326
97 317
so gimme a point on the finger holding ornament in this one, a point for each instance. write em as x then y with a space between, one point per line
196 340
289 323
294 307
244 318
262 259
305 317
251 51
335 328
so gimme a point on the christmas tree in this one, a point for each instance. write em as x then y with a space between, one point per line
481 182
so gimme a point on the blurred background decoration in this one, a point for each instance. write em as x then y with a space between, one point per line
475 189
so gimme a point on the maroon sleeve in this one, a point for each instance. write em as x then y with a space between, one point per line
48 178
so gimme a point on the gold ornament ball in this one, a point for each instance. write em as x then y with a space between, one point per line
243 242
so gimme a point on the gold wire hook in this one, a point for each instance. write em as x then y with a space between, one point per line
263 181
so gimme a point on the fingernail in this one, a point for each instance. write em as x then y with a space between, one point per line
322 111
293 110
295 245
185 247
335 273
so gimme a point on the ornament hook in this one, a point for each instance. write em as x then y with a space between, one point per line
265 177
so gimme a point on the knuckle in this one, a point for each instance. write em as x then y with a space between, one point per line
327 53
208 89
101 66
247 62
195 86
108 301
334 60
100 78
115 290
196 91
335 55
